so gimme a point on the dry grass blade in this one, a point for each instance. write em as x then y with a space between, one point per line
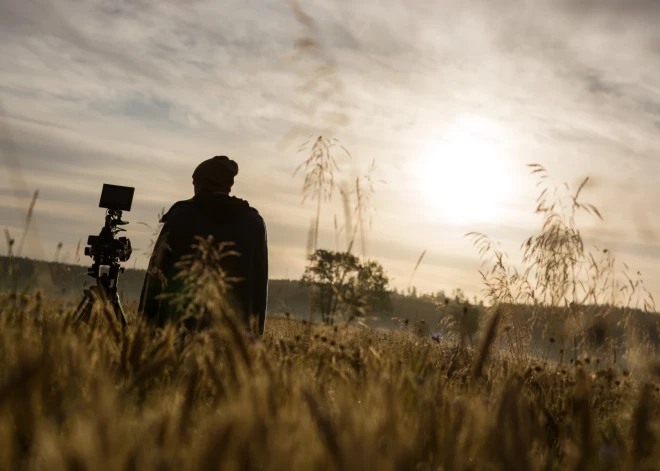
238 340
642 435
18 379
188 400
419 262
147 372
215 378
320 180
301 16
28 220
364 190
325 428
486 344
311 238
214 451
10 243
348 217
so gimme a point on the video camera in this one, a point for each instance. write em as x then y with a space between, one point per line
106 248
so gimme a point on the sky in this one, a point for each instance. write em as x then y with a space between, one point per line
451 100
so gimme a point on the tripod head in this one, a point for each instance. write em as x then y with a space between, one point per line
106 249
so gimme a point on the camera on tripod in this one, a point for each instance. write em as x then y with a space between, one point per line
108 250
119 248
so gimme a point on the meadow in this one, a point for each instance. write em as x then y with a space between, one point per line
305 396
559 374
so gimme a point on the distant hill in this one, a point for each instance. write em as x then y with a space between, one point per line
67 281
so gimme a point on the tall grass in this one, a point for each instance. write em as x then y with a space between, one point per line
303 397
320 168
308 396
562 289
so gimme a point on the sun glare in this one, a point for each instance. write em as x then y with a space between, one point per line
465 175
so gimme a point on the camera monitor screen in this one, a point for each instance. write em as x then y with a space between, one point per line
119 198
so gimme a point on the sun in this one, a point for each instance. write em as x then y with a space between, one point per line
465 174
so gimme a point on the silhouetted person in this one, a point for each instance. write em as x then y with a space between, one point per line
211 212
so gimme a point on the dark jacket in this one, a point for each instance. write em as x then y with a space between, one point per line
226 219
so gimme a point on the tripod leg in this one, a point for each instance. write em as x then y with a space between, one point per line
84 309
81 304
119 311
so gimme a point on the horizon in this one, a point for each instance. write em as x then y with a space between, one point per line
451 102
81 264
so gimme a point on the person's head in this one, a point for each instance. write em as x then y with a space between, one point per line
215 175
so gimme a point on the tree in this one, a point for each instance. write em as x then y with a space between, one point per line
345 285
459 295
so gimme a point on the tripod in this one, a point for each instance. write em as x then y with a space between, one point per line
106 250
105 291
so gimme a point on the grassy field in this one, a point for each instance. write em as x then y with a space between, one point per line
305 397
558 373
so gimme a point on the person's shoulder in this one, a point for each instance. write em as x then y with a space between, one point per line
255 215
178 210
255 218
251 210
